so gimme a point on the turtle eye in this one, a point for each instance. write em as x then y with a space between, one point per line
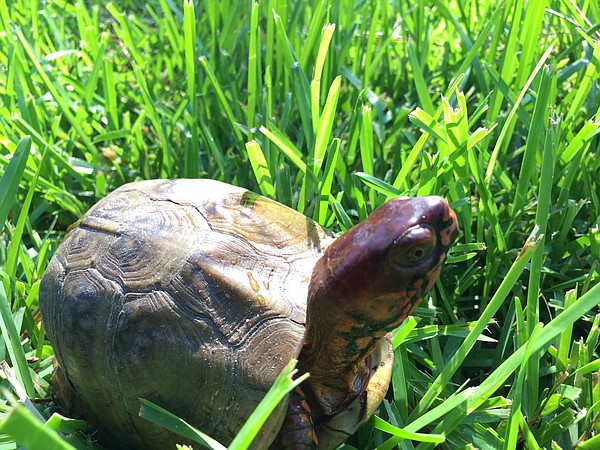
413 247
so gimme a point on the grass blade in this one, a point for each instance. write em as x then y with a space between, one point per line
12 340
253 65
283 385
30 433
315 85
15 245
9 183
192 161
171 422
261 169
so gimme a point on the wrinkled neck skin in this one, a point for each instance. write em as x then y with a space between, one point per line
339 339
346 322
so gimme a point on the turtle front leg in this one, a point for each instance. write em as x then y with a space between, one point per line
297 431
66 395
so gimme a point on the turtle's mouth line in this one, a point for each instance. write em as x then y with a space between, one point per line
450 230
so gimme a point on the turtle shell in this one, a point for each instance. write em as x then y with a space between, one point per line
189 293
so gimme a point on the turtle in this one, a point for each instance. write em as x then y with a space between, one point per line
195 294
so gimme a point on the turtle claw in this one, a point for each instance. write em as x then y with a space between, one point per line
297 431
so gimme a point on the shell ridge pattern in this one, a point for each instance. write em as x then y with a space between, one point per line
98 282
224 231
256 327
193 303
220 264
85 225
198 288
129 259
236 330
111 336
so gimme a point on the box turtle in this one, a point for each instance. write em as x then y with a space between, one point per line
195 294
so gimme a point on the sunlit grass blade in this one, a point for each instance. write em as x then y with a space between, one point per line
529 37
11 337
456 122
592 73
283 385
405 435
171 422
565 341
323 136
191 167
253 65
30 433
402 176
288 149
4 15
424 120
261 169
315 85
9 183
378 185
367 145
342 216
325 193
65 425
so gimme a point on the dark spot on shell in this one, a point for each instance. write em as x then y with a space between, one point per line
248 199
211 209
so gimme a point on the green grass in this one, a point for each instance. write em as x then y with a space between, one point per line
494 105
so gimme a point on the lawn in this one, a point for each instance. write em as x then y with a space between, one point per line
333 108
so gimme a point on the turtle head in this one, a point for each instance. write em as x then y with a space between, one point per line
369 280
376 274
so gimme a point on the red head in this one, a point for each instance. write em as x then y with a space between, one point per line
377 272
